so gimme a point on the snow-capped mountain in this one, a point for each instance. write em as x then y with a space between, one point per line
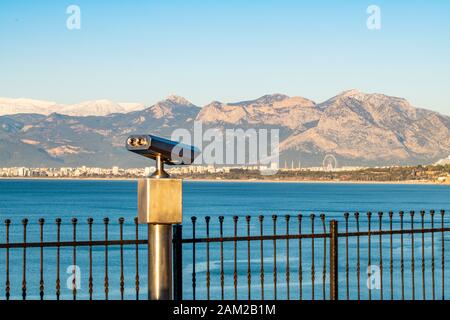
21 105
10 106
99 108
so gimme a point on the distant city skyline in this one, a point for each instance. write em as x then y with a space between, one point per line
141 51
431 174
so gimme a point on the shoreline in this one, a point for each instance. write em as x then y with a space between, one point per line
405 182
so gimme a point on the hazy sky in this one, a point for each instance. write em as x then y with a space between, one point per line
142 51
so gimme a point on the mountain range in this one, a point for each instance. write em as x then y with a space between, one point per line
88 108
357 128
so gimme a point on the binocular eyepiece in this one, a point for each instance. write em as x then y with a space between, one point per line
162 151
137 141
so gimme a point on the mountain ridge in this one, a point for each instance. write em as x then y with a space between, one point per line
357 128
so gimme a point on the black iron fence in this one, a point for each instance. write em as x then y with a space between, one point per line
53 252
350 256
371 256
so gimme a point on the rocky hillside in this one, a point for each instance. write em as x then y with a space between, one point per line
373 129
357 128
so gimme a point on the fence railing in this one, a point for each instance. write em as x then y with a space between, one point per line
350 256
67 250
312 259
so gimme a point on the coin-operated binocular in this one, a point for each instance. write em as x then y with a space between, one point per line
163 151
160 206
159 196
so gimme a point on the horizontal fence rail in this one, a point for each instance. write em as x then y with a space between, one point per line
351 256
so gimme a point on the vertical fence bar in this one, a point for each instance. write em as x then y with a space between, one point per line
334 271
193 220
313 271
41 259
222 273
413 282
249 270
442 256
391 257
122 277
235 273
422 215
178 262
402 262
7 284
275 272
358 263
74 259
324 260
369 249
300 262
24 260
288 271
208 273
261 255
136 250
347 283
380 243
58 250
106 280
433 286
90 221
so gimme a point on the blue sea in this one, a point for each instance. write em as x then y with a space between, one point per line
66 199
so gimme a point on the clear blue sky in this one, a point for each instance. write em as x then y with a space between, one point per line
227 50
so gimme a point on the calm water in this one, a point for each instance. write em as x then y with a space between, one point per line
98 199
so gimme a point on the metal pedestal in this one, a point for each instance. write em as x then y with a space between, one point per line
160 262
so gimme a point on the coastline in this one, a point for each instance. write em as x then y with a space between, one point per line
405 182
